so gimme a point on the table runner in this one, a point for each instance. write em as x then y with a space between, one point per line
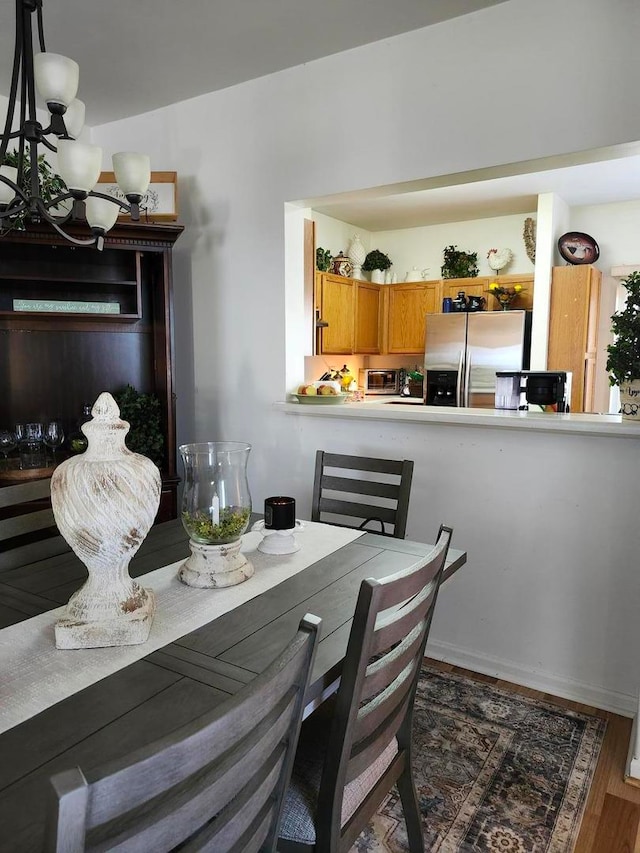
35 675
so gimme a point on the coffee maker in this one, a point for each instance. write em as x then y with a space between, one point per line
546 390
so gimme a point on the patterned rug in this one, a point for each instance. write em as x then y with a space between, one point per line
494 772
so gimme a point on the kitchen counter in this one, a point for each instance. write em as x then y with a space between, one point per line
403 409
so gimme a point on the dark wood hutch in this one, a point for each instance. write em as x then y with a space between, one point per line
52 363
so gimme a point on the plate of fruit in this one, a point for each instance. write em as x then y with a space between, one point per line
320 393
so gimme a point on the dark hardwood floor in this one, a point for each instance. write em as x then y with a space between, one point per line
611 822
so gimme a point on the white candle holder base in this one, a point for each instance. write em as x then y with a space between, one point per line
215 566
278 541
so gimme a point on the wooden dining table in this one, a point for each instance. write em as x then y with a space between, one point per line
173 685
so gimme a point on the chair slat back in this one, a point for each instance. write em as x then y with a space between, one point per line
25 515
380 674
231 764
388 481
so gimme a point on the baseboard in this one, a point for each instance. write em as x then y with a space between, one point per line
565 688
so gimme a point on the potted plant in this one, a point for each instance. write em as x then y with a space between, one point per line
324 259
51 184
143 414
376 262
623 360
459 264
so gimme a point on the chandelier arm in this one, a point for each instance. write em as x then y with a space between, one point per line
17 62
46 142
40 27
17 190
122 204
90 242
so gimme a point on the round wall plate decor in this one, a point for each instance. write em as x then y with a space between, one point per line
578 248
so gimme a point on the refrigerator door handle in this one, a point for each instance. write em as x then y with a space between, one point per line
459 389
467 379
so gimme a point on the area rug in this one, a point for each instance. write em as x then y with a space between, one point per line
494 771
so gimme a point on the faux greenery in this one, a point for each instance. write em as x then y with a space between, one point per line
459 264
323 259
51 184
623 361
376 260
143 413
232 524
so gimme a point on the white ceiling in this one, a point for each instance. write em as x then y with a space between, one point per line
586 178
139 55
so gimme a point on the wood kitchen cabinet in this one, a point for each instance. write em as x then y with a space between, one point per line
352 310
471 286
524 302
574 312
75 322
366 332
406 307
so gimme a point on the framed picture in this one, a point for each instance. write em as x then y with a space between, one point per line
160 202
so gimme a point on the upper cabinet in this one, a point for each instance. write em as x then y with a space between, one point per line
524 302
351 308
471 287
365 318
366 333
406 306
574 313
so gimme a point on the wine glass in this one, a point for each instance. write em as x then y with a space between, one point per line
31 446
53 437
8 442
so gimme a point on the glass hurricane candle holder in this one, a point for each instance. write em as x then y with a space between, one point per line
216 508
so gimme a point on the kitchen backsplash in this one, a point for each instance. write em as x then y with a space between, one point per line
315 366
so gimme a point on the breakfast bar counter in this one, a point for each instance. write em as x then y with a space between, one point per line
398 409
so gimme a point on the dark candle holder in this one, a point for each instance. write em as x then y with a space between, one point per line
279 513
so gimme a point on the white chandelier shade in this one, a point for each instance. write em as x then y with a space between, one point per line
133 172
79 164
57 77
101 214
74 118
7 193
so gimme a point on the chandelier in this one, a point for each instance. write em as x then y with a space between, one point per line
55 78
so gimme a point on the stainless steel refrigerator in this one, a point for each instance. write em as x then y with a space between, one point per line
463 351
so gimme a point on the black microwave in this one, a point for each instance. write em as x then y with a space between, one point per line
380 381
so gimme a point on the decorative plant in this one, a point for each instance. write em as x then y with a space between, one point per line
459 264
623 360
376 260
323 259
505 295
51 184
143 413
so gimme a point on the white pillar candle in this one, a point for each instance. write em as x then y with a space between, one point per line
214 509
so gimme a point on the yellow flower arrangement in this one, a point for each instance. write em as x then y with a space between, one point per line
505 295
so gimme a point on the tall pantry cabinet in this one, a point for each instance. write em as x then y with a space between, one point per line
574 312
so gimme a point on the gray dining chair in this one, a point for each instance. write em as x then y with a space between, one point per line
343 486
27 528
349 758
215 784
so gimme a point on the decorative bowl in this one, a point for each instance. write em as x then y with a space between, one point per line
321 399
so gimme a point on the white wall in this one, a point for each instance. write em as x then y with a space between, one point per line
424 247
558 588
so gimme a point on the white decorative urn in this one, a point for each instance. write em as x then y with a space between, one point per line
104 502
357 254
